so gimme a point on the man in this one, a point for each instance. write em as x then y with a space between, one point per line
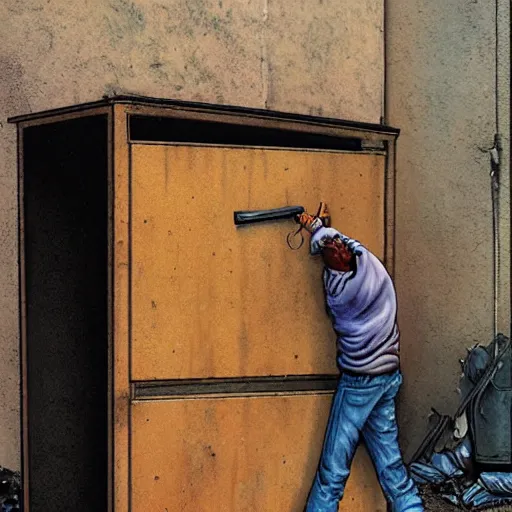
361 302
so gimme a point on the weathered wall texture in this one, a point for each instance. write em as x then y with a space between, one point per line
441 92
315 57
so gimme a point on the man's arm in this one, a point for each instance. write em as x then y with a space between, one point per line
335 281
322 236
338 251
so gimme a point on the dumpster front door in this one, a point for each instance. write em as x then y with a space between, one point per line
232 353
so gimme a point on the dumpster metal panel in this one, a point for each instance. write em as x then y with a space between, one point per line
237 454
213 300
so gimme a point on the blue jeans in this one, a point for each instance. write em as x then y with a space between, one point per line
363 405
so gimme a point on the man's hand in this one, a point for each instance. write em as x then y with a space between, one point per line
310 222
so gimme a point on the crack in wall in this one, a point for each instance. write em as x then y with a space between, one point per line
265 66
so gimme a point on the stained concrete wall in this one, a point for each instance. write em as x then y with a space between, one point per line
321 57
441 91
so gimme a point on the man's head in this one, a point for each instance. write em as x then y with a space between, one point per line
337 255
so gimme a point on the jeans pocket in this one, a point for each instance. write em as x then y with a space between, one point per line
359 402
359 397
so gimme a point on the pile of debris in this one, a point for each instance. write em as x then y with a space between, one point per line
467 458
10 490
433 502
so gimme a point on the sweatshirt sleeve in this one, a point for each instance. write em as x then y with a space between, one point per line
335 280
323 232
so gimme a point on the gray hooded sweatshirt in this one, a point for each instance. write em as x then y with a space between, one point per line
362 307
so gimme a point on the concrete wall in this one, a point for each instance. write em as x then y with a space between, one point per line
321 57
441 91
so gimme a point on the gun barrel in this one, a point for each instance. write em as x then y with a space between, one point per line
252 216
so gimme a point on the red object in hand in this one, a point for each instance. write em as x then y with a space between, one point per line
338 256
